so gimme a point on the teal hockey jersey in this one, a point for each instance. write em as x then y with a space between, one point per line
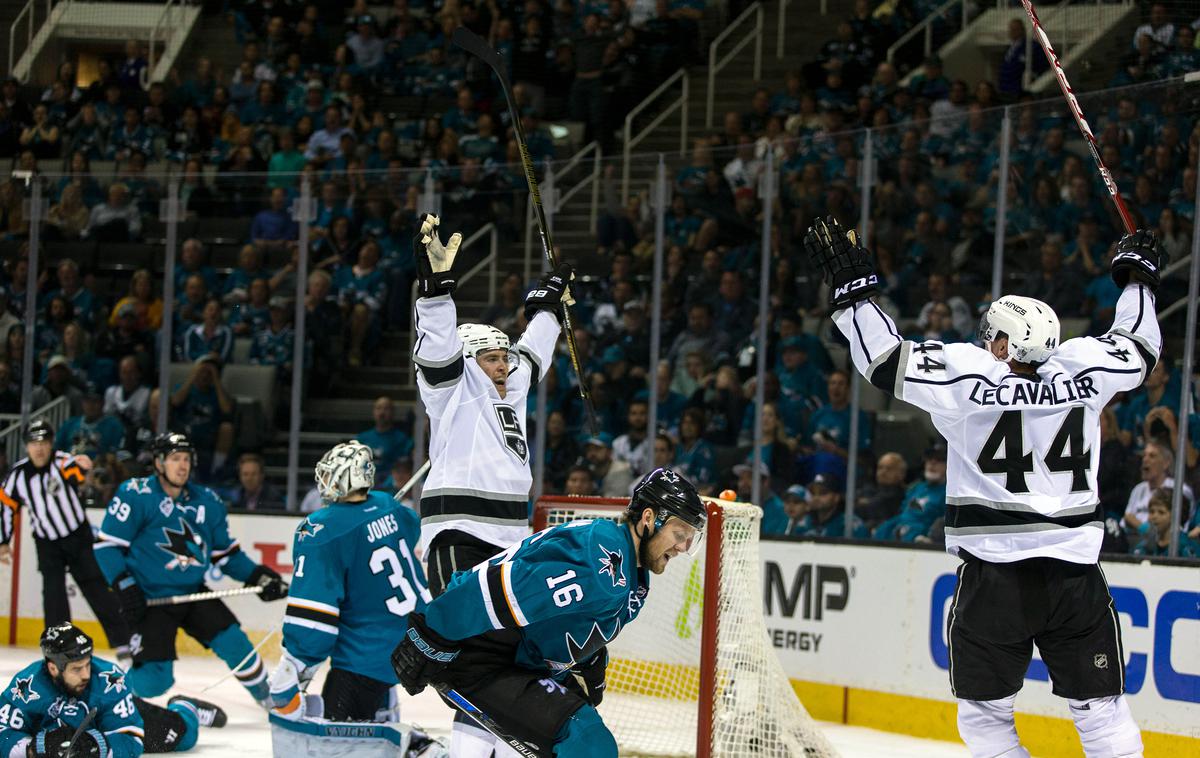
32 702
568 590
167 543
354 582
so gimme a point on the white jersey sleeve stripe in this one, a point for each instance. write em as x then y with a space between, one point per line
486 591
310 624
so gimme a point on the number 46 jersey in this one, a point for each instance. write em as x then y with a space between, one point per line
355 579
1022 449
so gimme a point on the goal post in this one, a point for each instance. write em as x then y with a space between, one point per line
695 674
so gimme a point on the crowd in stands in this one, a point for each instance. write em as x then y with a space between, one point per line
308 99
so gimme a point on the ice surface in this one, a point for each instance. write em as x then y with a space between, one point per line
247 734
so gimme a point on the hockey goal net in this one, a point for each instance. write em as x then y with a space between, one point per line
696 674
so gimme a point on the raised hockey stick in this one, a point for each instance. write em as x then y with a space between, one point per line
1080 121
198 596
486 721
412 480
475 45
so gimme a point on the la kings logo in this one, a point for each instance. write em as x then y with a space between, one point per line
510 428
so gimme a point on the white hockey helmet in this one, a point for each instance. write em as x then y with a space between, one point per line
1030 325
347 467
480 338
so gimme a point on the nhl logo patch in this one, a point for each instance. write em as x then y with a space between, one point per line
1100 661
166 505
510 429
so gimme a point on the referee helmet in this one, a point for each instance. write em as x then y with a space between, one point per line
39 429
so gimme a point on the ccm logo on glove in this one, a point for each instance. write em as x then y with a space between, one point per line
857 284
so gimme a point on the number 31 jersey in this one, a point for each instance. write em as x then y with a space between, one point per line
1022 449
355 579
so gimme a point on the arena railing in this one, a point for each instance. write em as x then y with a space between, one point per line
555 198
32 24
633 140
925 26
12 441
715 65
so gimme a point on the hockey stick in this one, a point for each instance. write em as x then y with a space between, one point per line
475 45
233 671
485 721
87 721
412 481
1080 121
198 596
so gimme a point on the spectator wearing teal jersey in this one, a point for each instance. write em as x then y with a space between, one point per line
275 344
826 513
924 503
695 458
775 518
94 433
1157 540
362 292
387 441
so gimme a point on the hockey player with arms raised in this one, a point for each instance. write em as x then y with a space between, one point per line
1021 419
523 636
48 703
474 384
355 579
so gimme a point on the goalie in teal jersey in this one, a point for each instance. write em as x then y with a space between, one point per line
523 635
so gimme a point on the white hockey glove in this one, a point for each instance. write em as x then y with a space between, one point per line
288 682
435 260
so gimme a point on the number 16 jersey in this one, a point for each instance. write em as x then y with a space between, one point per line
1022 449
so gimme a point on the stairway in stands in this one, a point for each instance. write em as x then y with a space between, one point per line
347 409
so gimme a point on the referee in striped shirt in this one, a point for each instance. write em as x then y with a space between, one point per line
46 482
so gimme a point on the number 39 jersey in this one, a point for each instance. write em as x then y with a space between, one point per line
1022 449
355 579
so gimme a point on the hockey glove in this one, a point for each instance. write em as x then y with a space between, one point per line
552 292
844 264
131 598
435 261
273 586
591 676
288 682
422 655
53 743
1138 257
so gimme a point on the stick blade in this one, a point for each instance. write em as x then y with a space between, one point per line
477 46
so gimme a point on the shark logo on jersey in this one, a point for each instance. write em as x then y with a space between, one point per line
114 679
577 653
510 427
610 563
185 547
308 529
23 690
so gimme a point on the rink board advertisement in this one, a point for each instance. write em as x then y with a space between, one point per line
859 630
872 619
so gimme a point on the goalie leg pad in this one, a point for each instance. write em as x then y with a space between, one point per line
988 728
469 740
1106 727
151 678
585 736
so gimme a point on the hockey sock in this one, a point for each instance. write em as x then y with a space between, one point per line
232 646
585 736
989 729
1106 727
150 678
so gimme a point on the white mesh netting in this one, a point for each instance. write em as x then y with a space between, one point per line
653 692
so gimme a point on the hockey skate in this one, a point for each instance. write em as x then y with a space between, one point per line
209 714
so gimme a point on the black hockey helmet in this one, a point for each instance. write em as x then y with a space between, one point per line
65 643
39 429
171 442
668 494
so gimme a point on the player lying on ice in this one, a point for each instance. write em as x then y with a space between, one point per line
523 635
158 538
1021 421
48 702
355 580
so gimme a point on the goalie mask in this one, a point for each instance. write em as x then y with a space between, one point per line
481 338
348 467
1030 325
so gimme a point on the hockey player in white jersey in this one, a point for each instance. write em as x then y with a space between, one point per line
474 385
1021 419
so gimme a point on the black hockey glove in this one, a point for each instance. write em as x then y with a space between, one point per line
591 674
421 655
1139 258
844 264
131 598
274 588
53 743
435 261
552 292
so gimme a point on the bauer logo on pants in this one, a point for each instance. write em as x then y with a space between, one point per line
510 427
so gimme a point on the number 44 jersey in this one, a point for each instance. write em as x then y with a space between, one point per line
1022 449
355 579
